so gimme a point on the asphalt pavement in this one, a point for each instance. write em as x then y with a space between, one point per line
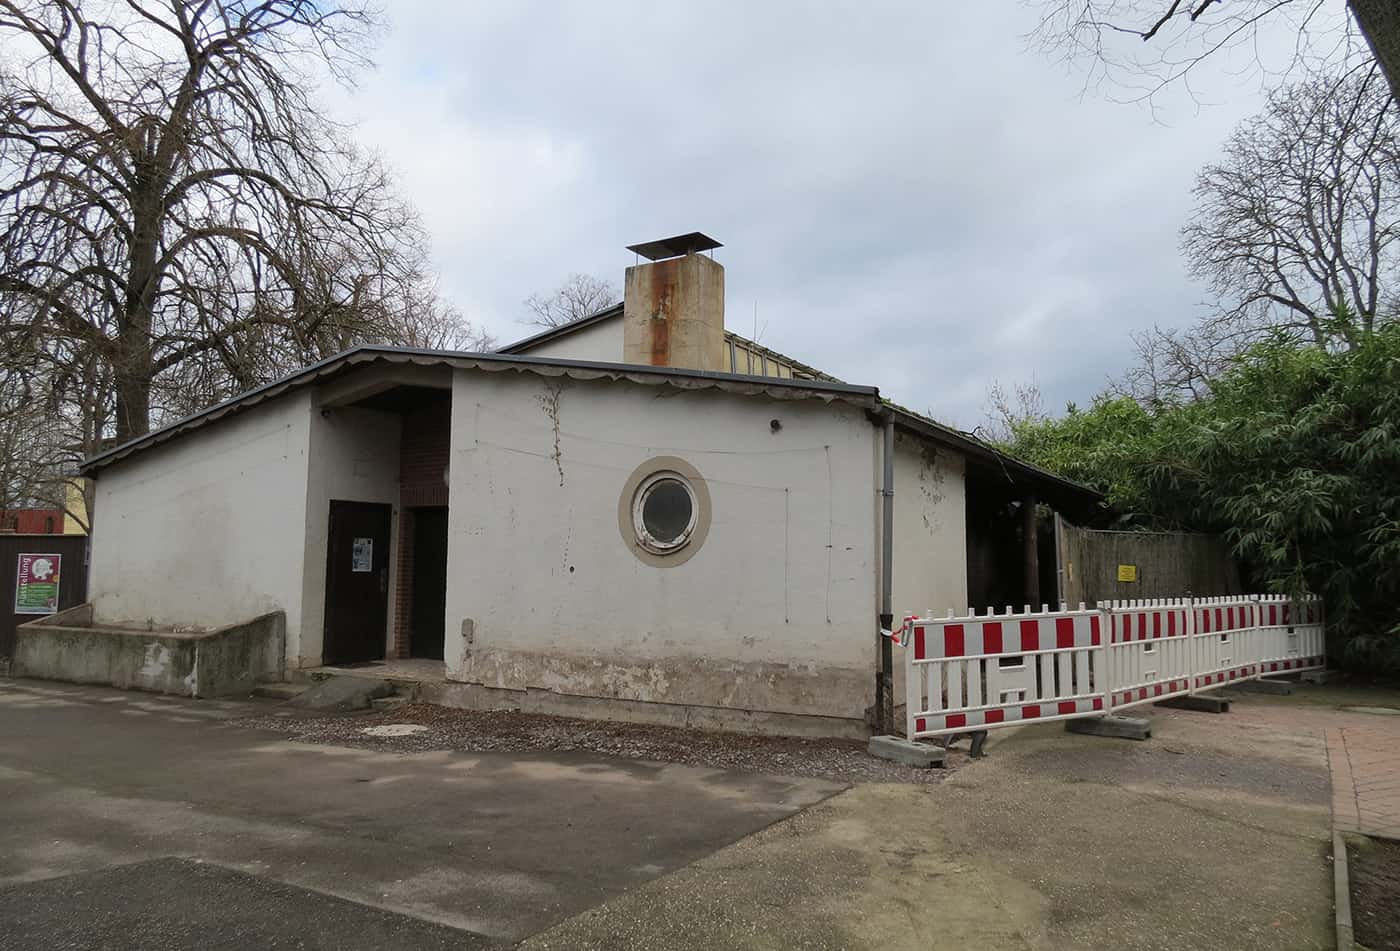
111 798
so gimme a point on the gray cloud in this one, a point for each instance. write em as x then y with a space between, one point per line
907 196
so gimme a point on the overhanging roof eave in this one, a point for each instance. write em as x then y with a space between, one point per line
774 387
1045 484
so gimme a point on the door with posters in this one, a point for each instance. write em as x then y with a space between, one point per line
39 575
357 582
37 579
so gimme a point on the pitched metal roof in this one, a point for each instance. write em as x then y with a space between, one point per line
1025 476
563 330
608 313
772 387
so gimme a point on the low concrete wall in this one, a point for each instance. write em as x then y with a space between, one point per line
225 661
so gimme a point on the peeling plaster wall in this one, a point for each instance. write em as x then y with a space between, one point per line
354 458
774 611
207 530
930 535
601 342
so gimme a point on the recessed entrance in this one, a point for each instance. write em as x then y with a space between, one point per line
429 599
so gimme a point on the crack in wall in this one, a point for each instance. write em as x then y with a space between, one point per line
549 402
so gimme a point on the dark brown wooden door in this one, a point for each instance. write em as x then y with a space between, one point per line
429 581
357 582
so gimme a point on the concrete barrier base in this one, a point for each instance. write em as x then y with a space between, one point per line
908 752
1276 688
1199 702
1123 728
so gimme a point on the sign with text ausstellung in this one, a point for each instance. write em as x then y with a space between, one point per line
36 583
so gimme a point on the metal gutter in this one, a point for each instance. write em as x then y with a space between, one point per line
884 688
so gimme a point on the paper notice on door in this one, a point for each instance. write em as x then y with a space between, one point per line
362 555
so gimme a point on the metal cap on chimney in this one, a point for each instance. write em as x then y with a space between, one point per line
675 247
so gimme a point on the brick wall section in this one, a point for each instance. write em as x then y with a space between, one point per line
423 455
32 521
403 595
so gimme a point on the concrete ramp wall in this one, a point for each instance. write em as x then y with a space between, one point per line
228 660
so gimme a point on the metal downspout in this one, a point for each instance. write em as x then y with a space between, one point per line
884 690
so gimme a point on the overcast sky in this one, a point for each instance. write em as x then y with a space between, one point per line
907 195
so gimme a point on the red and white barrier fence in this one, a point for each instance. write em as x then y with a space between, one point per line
979 672
1150 651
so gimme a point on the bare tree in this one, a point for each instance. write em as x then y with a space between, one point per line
579 296
179 218
1005 410
1296 227
1295 231
1141 47
38 454
1175 366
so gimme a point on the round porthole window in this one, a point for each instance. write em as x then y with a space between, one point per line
663 513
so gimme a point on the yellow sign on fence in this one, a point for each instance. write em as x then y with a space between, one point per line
1127 572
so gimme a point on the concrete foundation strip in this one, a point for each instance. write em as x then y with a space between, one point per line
1341 885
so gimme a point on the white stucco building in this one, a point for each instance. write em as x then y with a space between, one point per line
638 514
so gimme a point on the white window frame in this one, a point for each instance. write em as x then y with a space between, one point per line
644 538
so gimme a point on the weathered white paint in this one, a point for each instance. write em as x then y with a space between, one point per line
930 534
601 342
776 610
930 528
229 522
157 660
354 457
207 529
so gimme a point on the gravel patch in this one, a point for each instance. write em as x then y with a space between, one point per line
1375 882
474 731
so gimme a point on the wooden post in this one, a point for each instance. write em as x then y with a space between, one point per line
1032 552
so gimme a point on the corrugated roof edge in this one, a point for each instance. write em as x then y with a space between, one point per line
581 369
866 396
1080 495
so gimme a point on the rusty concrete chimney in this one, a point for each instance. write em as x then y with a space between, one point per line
673 307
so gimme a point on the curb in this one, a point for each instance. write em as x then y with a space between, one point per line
1341 885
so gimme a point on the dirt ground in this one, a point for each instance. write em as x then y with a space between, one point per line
1374 865
843 761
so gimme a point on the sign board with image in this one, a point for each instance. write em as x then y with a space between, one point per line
36 583
362 555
